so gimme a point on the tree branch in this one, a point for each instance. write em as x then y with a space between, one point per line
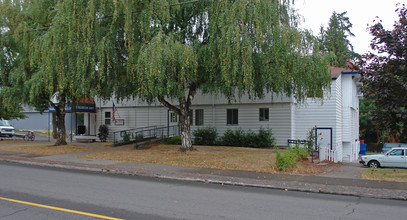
169 105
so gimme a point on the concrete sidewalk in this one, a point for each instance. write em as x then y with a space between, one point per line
343 180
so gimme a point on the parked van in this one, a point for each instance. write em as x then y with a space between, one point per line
388 146
6 130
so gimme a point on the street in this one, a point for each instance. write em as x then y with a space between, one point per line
31 192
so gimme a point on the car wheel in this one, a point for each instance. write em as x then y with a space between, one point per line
374 164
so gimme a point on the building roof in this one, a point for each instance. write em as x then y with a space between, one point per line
336 71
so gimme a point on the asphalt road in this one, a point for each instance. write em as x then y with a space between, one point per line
87 195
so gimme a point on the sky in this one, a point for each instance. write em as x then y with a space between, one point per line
360 13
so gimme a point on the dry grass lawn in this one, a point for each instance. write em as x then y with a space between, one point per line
233 158
42 148
395 175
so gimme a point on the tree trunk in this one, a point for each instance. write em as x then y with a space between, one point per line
54 126
60 120
185 123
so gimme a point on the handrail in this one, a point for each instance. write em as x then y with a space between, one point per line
140 134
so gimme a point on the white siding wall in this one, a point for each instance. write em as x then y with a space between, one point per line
215 111
327 114
350 128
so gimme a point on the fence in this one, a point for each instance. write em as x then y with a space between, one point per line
141 134
327 154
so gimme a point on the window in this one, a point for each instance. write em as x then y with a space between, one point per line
199 117
173 117
263 114
107 118
398 152
232 117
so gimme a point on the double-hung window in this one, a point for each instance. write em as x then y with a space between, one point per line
199 117
108 118
263 114
232 117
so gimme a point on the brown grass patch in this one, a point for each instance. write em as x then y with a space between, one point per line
232 158
42 148
386 174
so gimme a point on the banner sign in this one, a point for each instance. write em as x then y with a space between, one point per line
75 107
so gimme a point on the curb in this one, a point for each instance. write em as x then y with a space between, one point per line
226 180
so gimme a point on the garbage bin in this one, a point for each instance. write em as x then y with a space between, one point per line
81 129
362 149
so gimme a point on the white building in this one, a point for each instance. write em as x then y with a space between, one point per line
336 116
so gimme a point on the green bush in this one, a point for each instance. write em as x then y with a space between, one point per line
103 133
233 138
241 138
290 157
126 137
176 140
205 136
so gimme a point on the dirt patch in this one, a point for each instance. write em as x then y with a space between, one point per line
43 148
231 158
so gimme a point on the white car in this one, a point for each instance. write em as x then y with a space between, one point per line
395 157
6 130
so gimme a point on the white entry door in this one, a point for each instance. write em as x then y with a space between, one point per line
324 138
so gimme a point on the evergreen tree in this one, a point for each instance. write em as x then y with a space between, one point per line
335 39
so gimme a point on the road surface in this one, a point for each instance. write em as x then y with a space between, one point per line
31 192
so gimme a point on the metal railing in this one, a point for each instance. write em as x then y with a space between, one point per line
145 133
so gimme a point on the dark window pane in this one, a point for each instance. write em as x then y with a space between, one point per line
263 114
232 117
199 117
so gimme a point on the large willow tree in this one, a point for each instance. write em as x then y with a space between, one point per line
233 47
59 51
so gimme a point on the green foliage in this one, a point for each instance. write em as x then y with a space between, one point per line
290 157
234 138
384 78
156 50
240 138
311 138
205 136
126 137
368 131
335 40
139 137
176 140
103 133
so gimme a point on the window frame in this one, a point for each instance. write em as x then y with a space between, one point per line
264 114
199 117
173 117
108 118
230 120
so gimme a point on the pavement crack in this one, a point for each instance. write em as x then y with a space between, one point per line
8 215
353 204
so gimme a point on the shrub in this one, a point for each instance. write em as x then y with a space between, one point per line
205 136
126 137
103 133
241 138
265 138
233 138
139 137
176 140
290 157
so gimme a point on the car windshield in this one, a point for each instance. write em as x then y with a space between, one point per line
4 123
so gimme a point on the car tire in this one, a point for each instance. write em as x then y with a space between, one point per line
374 164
